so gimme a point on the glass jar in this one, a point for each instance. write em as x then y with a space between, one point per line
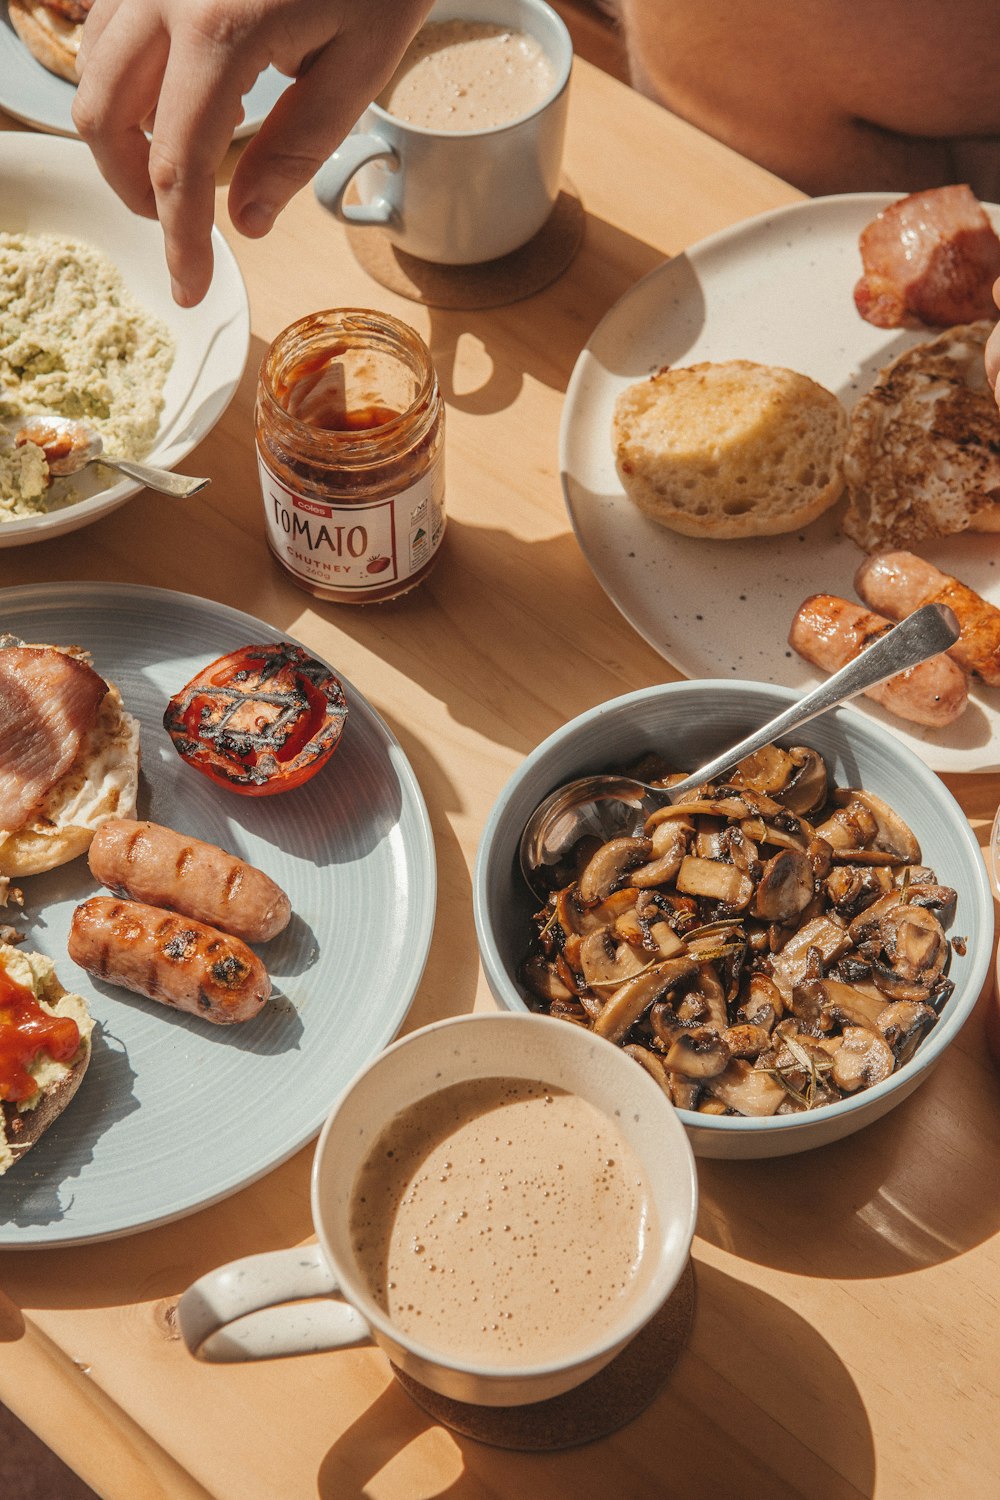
350 449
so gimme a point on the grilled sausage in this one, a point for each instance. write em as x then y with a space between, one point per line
896 583
170 958
164 868
829 632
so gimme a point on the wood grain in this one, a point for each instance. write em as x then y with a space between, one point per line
845 1338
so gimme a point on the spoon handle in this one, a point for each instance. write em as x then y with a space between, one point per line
929 630
162 480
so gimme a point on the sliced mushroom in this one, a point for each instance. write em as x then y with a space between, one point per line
764 1004
540 977
807 788
864 1060
747 1090
939 899
785 888
835 1004
709 988
904 1023
652 1064
714 880
605 962
669 844
700 1053
747 1041
768 770
633 998
852 888
908 954
791 965
608 867
685 1092
665 939
864 821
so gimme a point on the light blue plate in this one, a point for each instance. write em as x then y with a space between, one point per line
37 97
175 1113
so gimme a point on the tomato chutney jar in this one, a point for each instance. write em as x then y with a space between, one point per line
350 448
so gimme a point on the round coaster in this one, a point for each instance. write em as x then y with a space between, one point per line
605 1402
492 283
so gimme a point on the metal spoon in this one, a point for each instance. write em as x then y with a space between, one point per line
608 805
70 446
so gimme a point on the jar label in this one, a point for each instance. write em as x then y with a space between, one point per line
358 546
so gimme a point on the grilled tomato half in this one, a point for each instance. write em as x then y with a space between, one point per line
261 720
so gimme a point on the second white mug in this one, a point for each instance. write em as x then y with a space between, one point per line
459 197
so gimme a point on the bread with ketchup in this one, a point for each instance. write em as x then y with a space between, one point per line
51 30
69 755
45 1036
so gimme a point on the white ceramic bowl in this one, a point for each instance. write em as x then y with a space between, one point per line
52 186
689 721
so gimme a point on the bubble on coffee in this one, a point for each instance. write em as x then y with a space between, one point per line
468 75
504 1222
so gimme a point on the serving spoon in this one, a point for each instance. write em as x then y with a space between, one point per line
608 805
70 446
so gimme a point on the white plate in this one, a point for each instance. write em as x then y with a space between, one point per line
32 94
176 1113
52 186
776 289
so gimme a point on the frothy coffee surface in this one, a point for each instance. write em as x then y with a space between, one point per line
468 75
504 1222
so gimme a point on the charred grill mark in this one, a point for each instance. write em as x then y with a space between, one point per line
134 847
233 883
184 862
181 945
229 971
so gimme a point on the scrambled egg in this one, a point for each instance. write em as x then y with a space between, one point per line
75 342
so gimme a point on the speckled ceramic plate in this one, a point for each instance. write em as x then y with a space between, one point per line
776 289
176 1113
37 97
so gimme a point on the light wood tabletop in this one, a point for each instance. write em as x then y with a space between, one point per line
847 1324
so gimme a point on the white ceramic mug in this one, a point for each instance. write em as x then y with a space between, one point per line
459 197
240 1311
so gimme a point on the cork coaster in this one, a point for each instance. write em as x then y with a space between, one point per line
492 283
605 1402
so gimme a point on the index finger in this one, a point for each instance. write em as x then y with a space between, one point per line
199 108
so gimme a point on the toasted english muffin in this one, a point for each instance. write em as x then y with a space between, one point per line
730 449
49 32
101 783
24 1121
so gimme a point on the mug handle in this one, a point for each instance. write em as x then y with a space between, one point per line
235 1313
331 181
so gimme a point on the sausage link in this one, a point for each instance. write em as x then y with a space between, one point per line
830 632
164 868
896 583
170 958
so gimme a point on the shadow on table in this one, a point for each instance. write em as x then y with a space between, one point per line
910 1191
757 1382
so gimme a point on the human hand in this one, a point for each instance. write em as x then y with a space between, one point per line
181 67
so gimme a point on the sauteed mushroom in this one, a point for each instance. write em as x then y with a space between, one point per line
769 945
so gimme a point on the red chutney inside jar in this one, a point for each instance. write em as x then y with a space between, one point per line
350 448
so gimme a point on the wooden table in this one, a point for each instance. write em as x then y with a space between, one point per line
846 1330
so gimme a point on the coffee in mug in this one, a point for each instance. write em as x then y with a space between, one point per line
472 1203
563 1223
468 75
468 170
